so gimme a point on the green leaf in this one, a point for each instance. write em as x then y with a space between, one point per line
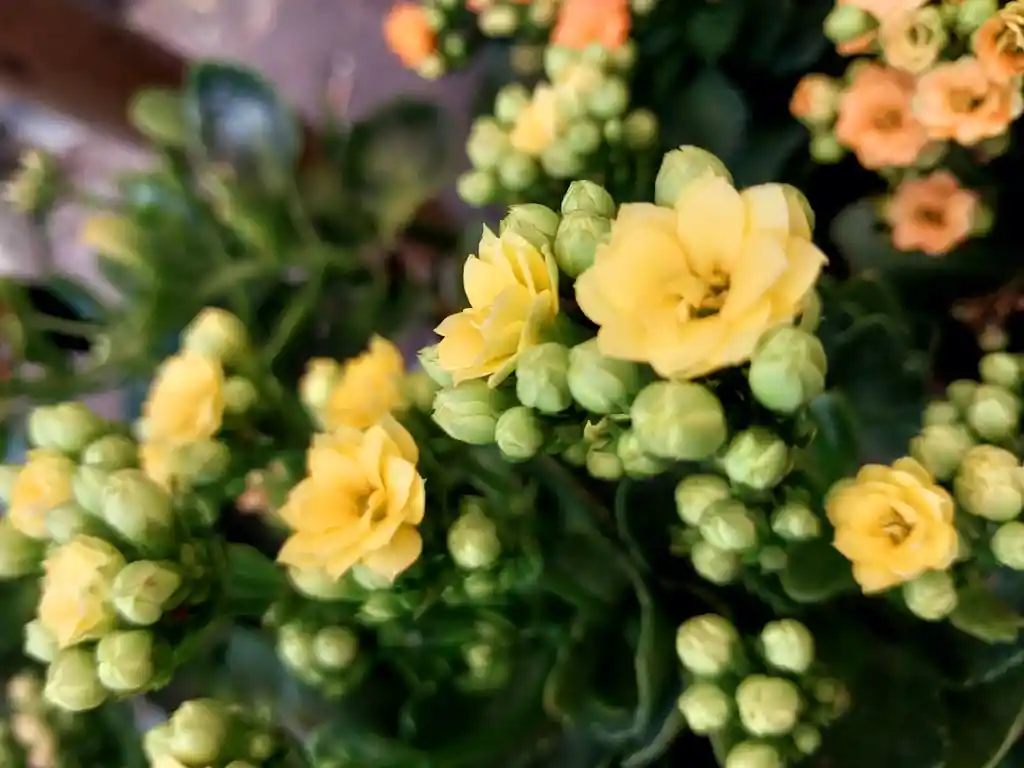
253 581
766 154
833 452
711 113
985 722
983 615
235 118
816 572
712 28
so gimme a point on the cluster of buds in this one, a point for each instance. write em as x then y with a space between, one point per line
765 699
563 129
206 733
529 22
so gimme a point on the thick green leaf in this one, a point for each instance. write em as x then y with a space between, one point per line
983 615
712 28
253 581
711 113
816 572
985 722
765 156
833 452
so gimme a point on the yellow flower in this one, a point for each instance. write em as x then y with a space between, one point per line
893 523
186 400
74 605
155 460
539 123
512 289
367 388
42 484
360 502
690 290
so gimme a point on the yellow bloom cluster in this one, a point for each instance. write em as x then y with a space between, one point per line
42 484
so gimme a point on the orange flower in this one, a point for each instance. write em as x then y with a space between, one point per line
408 34
999 43
881 10
814 99
957 101
875 120
933 214
582 22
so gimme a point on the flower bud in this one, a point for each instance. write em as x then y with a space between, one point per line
561 161
795 522
940 412
369 579
705 707
240 395
753 754
72 683
380 608
961 393
931 596
419 390
429 363
156 744
473 541
519 434
637 462
579 235
788 645
640 129
680 168
111 452
217 334
125 661
318 584
335 648
542 378
941 448
477 188
826 149
295 648
498 21
1000 369
994 413
20 555
39 642
138 509
601 384
66 521
588 197
67 427
729 526
695 495
583 137
534 222
603 463
833 696
487 144
517 171
144 590
201 462
679 420
469 411
198 730
757 458
706 645
510 100
772 559
87 486
1008 545
971 14
557 59
787 370
576 454
989 484
807 739
768 706
158 114
608 99
847 22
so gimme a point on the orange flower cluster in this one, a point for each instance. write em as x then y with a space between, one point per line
409 35
584 22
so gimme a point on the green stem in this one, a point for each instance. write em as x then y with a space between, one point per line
301 306
42 323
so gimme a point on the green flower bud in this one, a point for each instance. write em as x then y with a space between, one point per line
517 171
536 223
713 564
201 462
768 706
757 458
87 486
295 648
240 395
138 509
941 448
487 144
218 334
833 696
994 413
588 197
961 393
788 645
931 596
695 495
705 707
318 584
557 59
680 168
787 370
679 420
20 555
335 648
66 521
640 129
579 235
576 454
369 579
729 526
826 149
40 644
609 99
198 729
144 590
510 102
542 378
601 384
971 14
498 21
72 683
469 411
67 427
706 645
429 363
561 161
795 522
807 739
613 131
125 661
159 115
111 452
583 137
519 434
753 754
380 608
772 559
473 541
989 484
940 412
603 463
847 22
636 462
1000 369
477 188
1008 545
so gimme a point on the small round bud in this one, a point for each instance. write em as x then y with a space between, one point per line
477 188
240 395
583 137
588 197
487 144
557 59
847 22
318 584
510 101
143 590
941 448
40 643
519 434
517 171
729 526
989 484
1008 545
640 129
713 564
159 115
604 463
826 149
994 413
498 21
217 334
637 462
138 509
576 454
66 521
198 730
679 420
429 363
931 596
795 522
695 495
753 754
380 608
757 458
706 645
961 393
201 462
1000 369
787 370
705 707
72 683
469 411
295 647
67 427
768 706
536 223
20 555
560 161
125 661
807 739
833 696
579 236
601 384
473 541
335 647
940 412
87 487
542 378
111 452
608 99
680 168
772 559
788 645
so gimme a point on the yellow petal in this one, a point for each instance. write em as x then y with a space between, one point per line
407 447
761 263
483 281
400 553
805 264
873 579
687 351
710 225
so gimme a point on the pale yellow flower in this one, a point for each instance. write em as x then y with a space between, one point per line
155 461
186 400
539 123
368 388
893 523
42 484
74 605
360 502
691 290
512 287
912 40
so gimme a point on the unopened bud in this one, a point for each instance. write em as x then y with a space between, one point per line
380 608
87 486
971 14
680 168
757 458
72 683
754 754
125 661
931 596
561 161
695 495
139 510
1000 369
679 420
295 647
534 222
66 521
583 137
1008 545
517 171
825 148
487 144
989 484
807 739
429 363
636 461
198 729
705 707
848 22
787 370
579 236
144 590
20 555
542 378
473 541
469 411
240 395
788 645
557 59
498 21
318 584
729 526
335 648
510 100
201 462
40 643
159 115
640 129
608 99
601 384
940 412
217 334
604 463
994 413
795 522
67 427
519 434
961 393
941 448
768 706
588 197
706 645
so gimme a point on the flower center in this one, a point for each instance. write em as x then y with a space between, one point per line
897 528
888 120
1011 39
964 100
374 504
716 289
932 216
